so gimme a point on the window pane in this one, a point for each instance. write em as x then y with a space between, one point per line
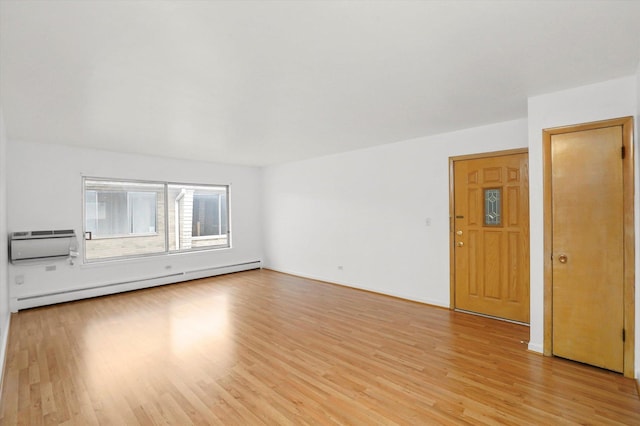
142 212
125 218
198 216
111 213
91 211
492 207
206 214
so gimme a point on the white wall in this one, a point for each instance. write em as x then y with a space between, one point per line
4 287
45 192
367 210
609 99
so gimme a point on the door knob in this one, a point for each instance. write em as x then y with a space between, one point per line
459 232
562 258
460 244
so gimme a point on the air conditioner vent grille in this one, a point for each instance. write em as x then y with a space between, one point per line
58 233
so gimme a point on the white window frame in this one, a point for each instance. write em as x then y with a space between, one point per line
167 249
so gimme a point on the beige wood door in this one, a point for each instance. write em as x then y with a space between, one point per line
588 246
491 236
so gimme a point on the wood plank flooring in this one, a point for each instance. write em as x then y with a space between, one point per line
261 347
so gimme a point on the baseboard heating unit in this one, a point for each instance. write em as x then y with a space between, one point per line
68 295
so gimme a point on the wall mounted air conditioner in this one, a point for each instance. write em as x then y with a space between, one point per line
46 245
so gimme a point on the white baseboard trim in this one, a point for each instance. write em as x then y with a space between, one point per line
535 347
432 302
71 294
3 351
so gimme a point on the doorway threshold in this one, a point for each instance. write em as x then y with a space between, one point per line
490 317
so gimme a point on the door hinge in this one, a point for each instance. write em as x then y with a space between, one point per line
623 152
624 335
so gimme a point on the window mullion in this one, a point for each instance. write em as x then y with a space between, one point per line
166 217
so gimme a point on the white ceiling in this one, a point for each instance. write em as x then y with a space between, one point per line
263 82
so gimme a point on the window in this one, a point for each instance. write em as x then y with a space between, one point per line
128 218
199 217
493 207
120 212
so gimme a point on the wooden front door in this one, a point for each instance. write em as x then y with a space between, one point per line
587 202
491 235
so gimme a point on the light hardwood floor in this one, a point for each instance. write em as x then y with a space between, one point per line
261 347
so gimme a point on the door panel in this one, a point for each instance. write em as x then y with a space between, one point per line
493 282
588 246
515 244
491 244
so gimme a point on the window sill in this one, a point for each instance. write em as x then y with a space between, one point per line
111 237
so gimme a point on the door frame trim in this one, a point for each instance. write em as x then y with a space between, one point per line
629 233
452 160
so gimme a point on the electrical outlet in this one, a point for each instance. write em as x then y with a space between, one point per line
340 268
19 279
50 268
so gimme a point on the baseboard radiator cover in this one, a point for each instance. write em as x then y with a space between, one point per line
68 295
